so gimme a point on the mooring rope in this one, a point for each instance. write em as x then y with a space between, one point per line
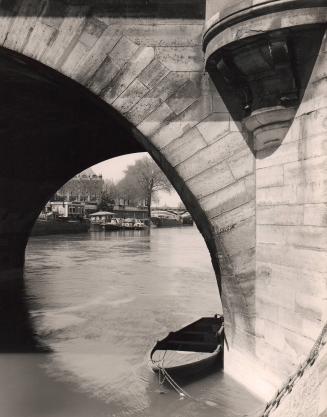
167 377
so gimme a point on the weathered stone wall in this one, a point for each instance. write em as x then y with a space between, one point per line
152 71
290 192
308 396
291 233
267 215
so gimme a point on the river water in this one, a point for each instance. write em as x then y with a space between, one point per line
99 302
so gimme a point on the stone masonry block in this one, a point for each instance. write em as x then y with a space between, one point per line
315 192
290 320
242 163
226 199
294 132
182 122
297 344
39 40
133 93
20 29
103 75
260 325
271 234
315 146
124 50
169 84
315 214
85 68
67 37
214 126
243 264
130 71
164 34
233 217
159 93
320 68
301 258
153 73
274 335
288 152
311 283
218 105
280 215
156 119
249 182
314 98
310 329
184 97
267 310
305 171
184 147
315 122
288 194
276 293
211 155
202 80
92 31
309 307
270 177
276 275
181 58
142 109
6 20
310 237
240 237
211 180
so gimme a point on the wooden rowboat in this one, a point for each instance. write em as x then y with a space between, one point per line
194 350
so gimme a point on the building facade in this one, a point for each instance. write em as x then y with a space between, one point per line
84 187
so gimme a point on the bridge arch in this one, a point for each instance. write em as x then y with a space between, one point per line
252 213
66 129
154 76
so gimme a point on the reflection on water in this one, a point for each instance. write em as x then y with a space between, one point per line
16 328
99 302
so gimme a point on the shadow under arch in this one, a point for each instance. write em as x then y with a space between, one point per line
52 129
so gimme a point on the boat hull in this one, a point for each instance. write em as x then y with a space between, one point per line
110 227
56 227
162 222
187 364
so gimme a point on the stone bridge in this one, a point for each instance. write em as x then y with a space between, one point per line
231 103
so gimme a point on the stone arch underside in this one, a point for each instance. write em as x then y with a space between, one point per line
151 71
153 74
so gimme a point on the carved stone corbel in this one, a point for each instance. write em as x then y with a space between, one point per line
261 68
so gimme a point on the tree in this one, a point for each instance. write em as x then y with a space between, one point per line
108 196
142 181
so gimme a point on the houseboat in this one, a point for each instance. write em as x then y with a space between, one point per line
99 218
61 218
163 218
128 224
139 225
113 224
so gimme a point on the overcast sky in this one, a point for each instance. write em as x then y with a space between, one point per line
114 169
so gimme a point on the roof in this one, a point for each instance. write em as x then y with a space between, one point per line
87 171
102 213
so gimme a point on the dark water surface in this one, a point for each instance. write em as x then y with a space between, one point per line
99 302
